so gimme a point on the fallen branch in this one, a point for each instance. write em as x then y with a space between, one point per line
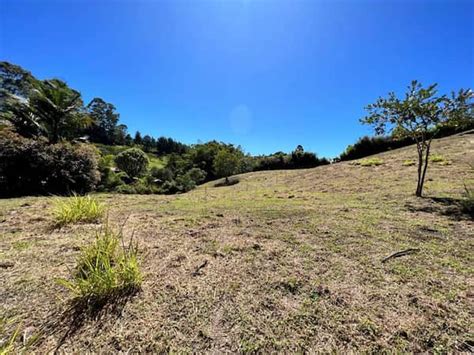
400 253
198 269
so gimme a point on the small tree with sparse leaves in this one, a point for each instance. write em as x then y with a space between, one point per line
418 115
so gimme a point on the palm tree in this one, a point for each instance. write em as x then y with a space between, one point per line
59 109
16 111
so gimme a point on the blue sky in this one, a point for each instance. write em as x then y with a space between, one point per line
265 74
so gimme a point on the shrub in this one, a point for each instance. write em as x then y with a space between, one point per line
133 161
197 175
105 269
77 209
161 174
30 167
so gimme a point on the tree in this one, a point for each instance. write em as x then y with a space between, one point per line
418 115
138 138
133 161
15 80
226 164
18 113
105 120
147 143
59 109
121 135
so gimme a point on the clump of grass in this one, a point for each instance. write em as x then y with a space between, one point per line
7 345
106 269
467 202
437 158
409 163
77 209
369 162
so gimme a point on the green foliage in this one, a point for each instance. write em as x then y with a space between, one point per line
77 209
409 162
29 167
197 175
416 116
168 145
59 109
226 163
105 269
104 128
133 161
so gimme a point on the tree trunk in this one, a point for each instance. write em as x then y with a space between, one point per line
227 180
425 168
419 187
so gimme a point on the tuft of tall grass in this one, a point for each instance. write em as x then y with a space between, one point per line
107 268
467 202
77 209
7 345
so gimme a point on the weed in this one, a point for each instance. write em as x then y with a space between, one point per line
409 162
105 269
77 209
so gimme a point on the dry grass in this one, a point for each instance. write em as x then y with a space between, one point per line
282 261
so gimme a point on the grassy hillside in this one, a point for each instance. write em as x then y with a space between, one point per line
282 261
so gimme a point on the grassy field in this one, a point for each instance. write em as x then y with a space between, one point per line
282 261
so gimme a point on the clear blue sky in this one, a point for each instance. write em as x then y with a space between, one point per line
265 74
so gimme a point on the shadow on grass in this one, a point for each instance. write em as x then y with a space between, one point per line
230 182
82 312
454 208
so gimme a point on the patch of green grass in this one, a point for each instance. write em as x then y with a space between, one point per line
409 162
437 158
21 245
77 209
105 269
369 162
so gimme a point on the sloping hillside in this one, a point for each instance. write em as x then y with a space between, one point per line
281 261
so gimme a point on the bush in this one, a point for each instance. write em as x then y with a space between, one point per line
77 209
31 167
197 175
133 161
105 269
161 174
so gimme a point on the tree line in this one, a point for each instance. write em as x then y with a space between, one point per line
52 142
